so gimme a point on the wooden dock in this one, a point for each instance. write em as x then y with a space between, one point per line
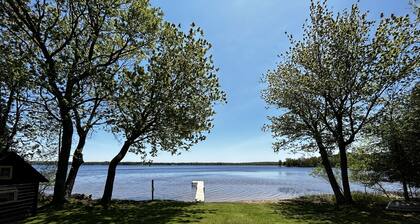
199 192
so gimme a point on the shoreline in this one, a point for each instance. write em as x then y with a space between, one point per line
305 197
88 197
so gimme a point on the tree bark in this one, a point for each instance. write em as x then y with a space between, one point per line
109 184
339 198
5 110
63 160
344 174
75 165
405 190
3 140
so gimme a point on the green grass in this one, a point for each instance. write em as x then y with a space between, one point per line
302 210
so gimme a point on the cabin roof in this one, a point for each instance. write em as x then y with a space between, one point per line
16 160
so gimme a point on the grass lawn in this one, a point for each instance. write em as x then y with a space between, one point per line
303 210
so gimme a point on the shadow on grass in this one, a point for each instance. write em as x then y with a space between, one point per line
325 212
123 212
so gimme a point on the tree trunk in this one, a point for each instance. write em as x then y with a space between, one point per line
3 135
109 184
5 110
344 174
331 178
63 160
405 190
75 165
3 141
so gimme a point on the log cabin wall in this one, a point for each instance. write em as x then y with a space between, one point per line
23 205
19 183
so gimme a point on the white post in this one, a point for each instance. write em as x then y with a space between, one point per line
199 192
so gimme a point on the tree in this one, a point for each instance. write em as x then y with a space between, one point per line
415 4
72 42
390 153
87 115
331 82
15 87
300 126
363 167
166 102
398 130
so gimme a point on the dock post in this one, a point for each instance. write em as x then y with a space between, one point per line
153 190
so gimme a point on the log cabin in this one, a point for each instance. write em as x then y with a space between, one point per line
19 184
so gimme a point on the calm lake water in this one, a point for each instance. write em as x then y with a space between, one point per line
222 183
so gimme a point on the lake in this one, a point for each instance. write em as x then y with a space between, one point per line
222 183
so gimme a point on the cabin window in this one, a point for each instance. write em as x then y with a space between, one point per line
6 172
7 196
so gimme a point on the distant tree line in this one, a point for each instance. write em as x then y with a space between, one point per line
313 161
301 162
173 164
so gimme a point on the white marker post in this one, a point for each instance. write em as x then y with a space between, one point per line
199 193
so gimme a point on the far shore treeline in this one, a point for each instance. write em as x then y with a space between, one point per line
288 162
173 164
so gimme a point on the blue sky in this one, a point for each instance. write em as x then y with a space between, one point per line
247 36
